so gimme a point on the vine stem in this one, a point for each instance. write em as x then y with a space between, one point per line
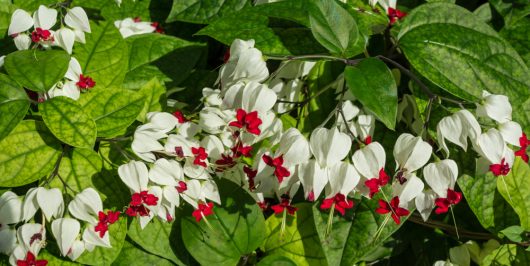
55 170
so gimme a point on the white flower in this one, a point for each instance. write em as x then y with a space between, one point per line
511 132
492 147
211 97
50 201
457 128
129 27
31 237
20 21
144 144
411 153
65 38
8 240
251 96
69 88
135 175
313 178
329 146
365 126
77 19
496 107
408 191
425 203
245 64
43 20
294 148
201 191
166 173
441 176
65 231
22 41
369 160
10 209
342 179
287 92
213 120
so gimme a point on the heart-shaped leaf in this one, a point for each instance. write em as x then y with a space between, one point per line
14 104
515 189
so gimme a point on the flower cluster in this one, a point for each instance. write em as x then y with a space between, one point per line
134 26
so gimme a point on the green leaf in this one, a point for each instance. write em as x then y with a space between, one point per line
203 11
77 169
146 48
335 28
461 54
373 84
517 35
53 259
127 9
32 5
511 11
276 261
238 228
502 256
353 237
6 9
67 120
27 154
112 109
162 239
513 233
490 208
37 70
104 57
132 255
154 95
515 188
299 242
138 77
250 24
14 105
105 256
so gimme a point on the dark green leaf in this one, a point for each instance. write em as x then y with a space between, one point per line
14 104
32 5
373 84
67 120
77 168
27 154
162 239
112 109
299 242
104 57
6 9
146 48
138 77
154 97
517 35
515 189
105 256
452 48
335 28
238 228
276 261
37 70
132 255
127 9
248 24
490 208
203 11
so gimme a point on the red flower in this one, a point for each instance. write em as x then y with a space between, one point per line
500 169
368 140
239 150
85 82
250 121
180 117
394 208
443 204
30 261
263 205
251 174
524 143
395 15
224 163
157 27
375 183
133 211
277 163
200 156
226 56
341 203
203 210
136 206
182 187
40 34
105 220
137 19
284 205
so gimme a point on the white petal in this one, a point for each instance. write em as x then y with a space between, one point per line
76 18
143 145
44 17
511 132
2 59
369 160
214 146
32 236
313 178
92 237
77 248
210 191
491 145
342 179
411 152
365 126
162 121
19 253
22 41
193 193
166 172
425 203
496 107
251 96
79 36
440 176
86 206
30 206
20 21
135 175
65 39
10 209
451 128
329 146
294 148
8 240
74 70
171 195
408 191
470 123
65 231
50 202
69 90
